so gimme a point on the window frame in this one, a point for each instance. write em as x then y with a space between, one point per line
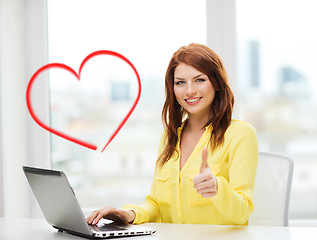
23 45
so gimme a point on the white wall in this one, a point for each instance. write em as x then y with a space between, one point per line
22 50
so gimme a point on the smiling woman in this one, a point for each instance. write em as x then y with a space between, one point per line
207 162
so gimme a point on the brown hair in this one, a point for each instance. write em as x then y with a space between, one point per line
208 62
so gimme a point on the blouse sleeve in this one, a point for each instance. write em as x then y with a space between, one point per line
234 198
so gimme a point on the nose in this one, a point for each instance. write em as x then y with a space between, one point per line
191 89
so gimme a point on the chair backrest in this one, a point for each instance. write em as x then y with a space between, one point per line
272 190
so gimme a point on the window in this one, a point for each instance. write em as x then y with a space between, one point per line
147 33
277 84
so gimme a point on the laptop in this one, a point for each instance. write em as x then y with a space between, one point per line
61 208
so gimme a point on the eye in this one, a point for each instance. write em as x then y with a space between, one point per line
180 82
200 80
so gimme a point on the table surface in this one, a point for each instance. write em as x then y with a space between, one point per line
36 229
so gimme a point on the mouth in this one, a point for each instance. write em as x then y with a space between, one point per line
193 100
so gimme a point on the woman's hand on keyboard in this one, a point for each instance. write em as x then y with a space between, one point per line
111 213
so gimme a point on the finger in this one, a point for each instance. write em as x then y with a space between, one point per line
207 189
204 176
204 163
97 219
205 184
91 217
209 194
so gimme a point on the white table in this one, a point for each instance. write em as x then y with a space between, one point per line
39 229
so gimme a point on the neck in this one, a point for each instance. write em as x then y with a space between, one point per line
197 123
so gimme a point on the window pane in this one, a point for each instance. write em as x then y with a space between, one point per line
147 33
277 83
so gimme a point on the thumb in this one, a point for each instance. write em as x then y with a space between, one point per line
204 163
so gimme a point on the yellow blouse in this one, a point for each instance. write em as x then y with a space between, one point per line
173 198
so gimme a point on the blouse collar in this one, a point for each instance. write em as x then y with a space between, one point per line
180 129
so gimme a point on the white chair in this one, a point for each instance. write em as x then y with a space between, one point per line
272 190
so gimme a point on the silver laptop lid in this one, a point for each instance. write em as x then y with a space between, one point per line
57 199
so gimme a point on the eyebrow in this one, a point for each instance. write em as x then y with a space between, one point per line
199 75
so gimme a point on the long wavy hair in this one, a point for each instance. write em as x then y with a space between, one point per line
208 62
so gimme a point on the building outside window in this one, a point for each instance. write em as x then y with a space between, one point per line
277 85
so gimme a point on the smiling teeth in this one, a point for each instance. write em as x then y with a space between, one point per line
192 100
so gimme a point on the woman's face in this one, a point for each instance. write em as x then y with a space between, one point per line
193 90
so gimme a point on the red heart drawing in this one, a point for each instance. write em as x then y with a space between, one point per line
67 68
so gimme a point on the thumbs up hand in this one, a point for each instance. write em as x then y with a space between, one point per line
205 183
